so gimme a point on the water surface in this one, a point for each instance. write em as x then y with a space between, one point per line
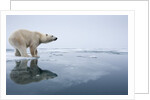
68 72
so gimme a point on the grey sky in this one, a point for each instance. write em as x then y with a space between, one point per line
75 31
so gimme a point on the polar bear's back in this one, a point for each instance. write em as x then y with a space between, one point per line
22 33
21 37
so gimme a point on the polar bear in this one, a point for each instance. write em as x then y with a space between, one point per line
22 39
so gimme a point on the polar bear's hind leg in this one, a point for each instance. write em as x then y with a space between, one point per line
23 52
17 53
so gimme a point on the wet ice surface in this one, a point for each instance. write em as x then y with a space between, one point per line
68 72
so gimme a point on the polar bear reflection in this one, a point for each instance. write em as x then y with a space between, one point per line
22 74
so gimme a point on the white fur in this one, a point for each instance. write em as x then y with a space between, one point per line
22 39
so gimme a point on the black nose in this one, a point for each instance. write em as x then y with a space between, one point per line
55 39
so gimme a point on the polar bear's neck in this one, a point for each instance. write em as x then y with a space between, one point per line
43 38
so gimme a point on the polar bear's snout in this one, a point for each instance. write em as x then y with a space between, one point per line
55 38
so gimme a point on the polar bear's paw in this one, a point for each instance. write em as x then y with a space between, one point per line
26 56
36 56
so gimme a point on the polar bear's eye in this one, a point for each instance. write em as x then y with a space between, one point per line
52 35
46 34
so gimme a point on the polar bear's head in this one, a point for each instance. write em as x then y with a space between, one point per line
45 38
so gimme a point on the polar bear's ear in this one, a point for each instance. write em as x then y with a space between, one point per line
46 34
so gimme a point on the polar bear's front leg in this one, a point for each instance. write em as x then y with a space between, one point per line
36 52
33 51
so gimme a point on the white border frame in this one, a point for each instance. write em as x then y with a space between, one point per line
130 55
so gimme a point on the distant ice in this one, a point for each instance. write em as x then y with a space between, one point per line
49 53
96 50
92 56
58 54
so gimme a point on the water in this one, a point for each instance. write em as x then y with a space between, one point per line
68 72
